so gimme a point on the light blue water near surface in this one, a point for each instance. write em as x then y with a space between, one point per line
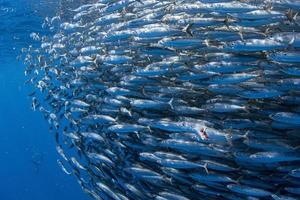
28 167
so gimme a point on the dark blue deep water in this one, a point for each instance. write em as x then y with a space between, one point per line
28 167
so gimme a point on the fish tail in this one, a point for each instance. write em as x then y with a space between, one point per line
295 16
245 136
205 168
297 148
188 29
241 34
239 179
141 2
229 138
171 103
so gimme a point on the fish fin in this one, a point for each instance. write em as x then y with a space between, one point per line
18 58
266 31
292 41
169 180
171 68
137 134
143 91
290 44
290 15
148 58
229 139
295 16
227 21
71 146
246 110
264 55
286 176
148 127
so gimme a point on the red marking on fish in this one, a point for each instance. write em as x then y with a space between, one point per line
203 134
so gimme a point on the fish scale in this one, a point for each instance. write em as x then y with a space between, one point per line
174 99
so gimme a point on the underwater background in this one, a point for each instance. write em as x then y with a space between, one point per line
150 99
28 167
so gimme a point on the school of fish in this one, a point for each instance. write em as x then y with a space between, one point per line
174 99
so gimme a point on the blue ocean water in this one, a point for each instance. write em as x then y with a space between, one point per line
228 128
28 167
